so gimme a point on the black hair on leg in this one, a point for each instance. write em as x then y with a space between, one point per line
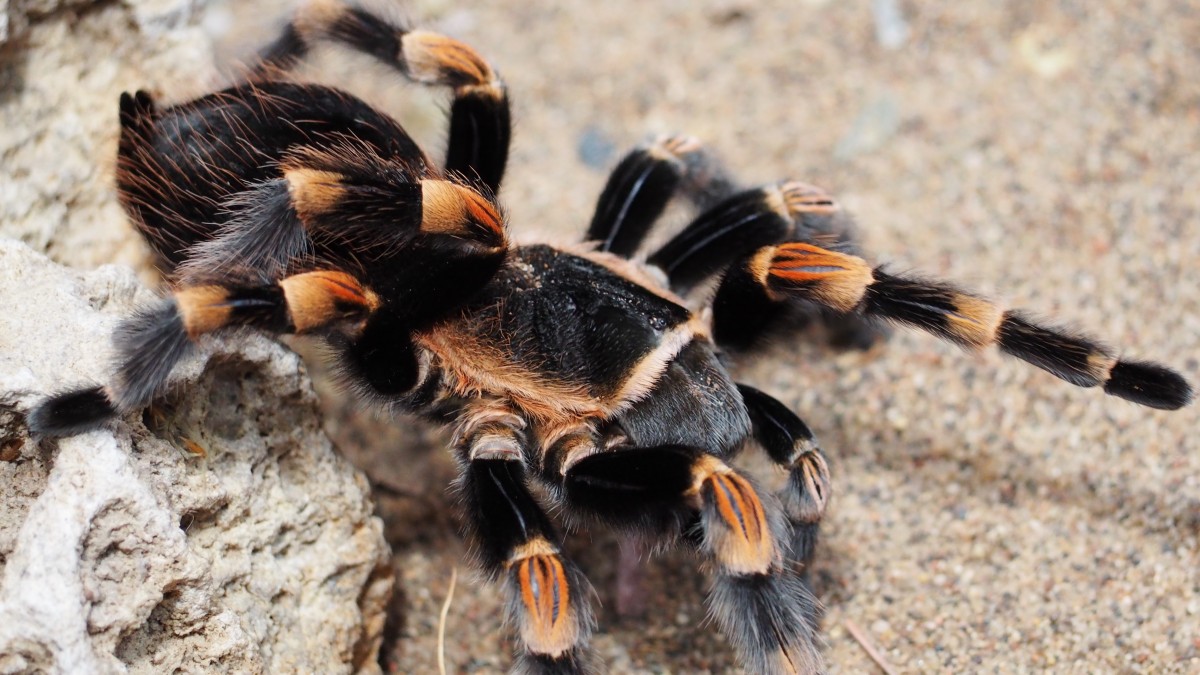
790 444
644 182
738 225
759 602
480 119
548 598
846 284
71 412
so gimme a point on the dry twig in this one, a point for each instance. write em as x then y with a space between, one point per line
861 638
442 622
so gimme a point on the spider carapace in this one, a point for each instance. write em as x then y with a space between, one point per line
287 207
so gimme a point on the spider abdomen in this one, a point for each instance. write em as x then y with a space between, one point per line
180 165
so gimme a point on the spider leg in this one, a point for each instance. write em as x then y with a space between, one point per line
848 284
759 602
642 184
788 441
739 224
548 601
380 362
325 203
151 343
345 204
771 214
339 234
480 124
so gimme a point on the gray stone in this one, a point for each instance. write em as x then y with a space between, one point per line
226 534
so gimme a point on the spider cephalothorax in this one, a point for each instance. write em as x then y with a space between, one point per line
296 208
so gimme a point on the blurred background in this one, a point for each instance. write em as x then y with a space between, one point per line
986 516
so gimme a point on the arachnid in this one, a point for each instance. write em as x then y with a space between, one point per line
293 208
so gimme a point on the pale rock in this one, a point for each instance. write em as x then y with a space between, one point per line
58 143
121 550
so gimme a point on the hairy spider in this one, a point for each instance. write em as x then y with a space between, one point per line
295 208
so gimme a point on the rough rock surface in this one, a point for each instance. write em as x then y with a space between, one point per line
226 535
121 549
58 90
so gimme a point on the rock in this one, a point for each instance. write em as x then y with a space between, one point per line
151 15
59 87
224 534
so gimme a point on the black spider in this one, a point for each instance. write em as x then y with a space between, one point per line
296 208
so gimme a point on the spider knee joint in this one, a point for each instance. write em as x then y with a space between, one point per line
674 148
492 432
736 526
809 481
548 621
569 447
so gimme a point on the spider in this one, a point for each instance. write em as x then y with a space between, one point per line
293 208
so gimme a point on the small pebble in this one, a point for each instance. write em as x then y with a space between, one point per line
596 148
891 30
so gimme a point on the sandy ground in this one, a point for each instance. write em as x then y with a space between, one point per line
987 517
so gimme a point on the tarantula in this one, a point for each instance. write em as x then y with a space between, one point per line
296 208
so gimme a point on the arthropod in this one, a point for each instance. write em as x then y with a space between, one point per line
294 208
